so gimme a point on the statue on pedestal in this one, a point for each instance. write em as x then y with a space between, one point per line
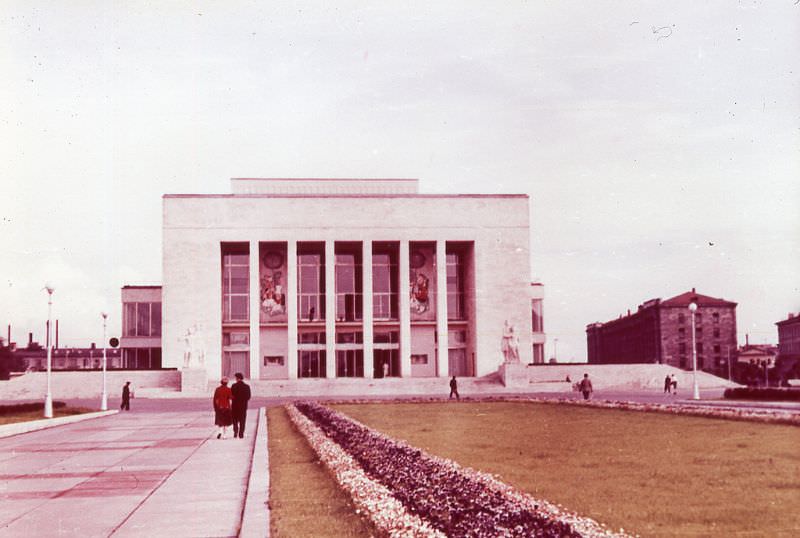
193 354
509 344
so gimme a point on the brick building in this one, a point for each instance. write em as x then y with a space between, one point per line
660 332
789 345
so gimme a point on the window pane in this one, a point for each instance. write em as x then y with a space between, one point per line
381 278
143 319
309 279
130 319
345 279
239 308
155 322
536 315
155 357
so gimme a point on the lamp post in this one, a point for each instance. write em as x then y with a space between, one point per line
695 388
104 397
48 399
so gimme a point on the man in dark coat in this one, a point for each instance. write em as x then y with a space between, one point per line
586 386
241 395
454 388
126 397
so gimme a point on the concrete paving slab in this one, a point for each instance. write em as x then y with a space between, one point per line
151 473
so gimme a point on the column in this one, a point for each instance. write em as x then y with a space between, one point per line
366 273
405 310
291 308
330 309
441 309
255 311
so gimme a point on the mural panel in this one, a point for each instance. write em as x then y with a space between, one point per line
422 283
272 278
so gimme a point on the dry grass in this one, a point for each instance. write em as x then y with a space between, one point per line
37 415
652 474
304 498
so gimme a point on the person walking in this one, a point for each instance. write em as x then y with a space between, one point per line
240 392
454 389
126 397
586 386
674 383
222 407
667 384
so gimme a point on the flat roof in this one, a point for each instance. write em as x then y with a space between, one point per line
321 179
345 196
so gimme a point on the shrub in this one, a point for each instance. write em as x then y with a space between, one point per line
764 394
15 409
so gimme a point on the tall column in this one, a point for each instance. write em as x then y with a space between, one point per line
330 309
291 308
441 309
405 310
255 311
366 273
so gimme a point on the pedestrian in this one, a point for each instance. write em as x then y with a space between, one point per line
674 385
454 389
667 384
222 408
240 392
126 397
586 386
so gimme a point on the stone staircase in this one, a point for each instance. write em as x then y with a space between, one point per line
622 376
550 378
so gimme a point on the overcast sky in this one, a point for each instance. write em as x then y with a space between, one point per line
659 141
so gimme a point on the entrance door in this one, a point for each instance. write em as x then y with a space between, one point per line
349 363
311 363
386 363
236 361
458 362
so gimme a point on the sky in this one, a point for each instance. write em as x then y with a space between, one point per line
659 141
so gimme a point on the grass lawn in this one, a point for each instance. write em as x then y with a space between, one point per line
304 499
37 415
649 473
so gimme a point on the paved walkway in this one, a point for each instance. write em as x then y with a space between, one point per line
131 474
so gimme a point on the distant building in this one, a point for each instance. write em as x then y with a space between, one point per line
789 345
70 358
660 332
757 354
141 327
538 338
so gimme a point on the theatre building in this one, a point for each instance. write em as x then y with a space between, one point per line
333 278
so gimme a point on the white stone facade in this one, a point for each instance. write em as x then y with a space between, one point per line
274 222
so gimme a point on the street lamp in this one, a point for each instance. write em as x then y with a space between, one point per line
695 388
48 399
104 397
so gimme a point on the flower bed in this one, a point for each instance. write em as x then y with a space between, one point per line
720 411
371 499
453 500
776 416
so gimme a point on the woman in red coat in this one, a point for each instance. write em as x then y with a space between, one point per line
222 407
